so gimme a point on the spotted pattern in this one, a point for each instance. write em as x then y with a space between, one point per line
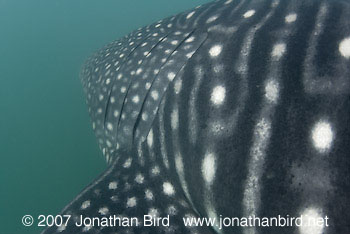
234 108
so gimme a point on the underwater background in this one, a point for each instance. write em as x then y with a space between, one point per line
47 147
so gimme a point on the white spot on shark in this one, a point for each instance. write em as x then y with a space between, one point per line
215 50
147 85
144 116
150 138
109 126
190 39
190 15
154 95
61 228
309 224
189 55
171 76
272 91
85 204
209 168
114 198
138 71
113 185
177 86
116 113
290 18
344 47
168 188
172 210
148 194
87 228
136 99
278 50
322 136
174 119
211 19
218 95
131 202
249 13
103 211
127 163
139 178
155 171
153 212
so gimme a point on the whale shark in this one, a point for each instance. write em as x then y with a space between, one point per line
222 119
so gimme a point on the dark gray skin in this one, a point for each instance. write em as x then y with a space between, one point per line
233 109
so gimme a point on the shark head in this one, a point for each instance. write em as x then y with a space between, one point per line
234 109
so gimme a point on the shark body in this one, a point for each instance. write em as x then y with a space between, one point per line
232 109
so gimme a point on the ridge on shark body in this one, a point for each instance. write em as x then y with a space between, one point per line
232 109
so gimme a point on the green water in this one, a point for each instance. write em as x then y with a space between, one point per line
47 147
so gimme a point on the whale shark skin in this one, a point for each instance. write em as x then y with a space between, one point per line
232 109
